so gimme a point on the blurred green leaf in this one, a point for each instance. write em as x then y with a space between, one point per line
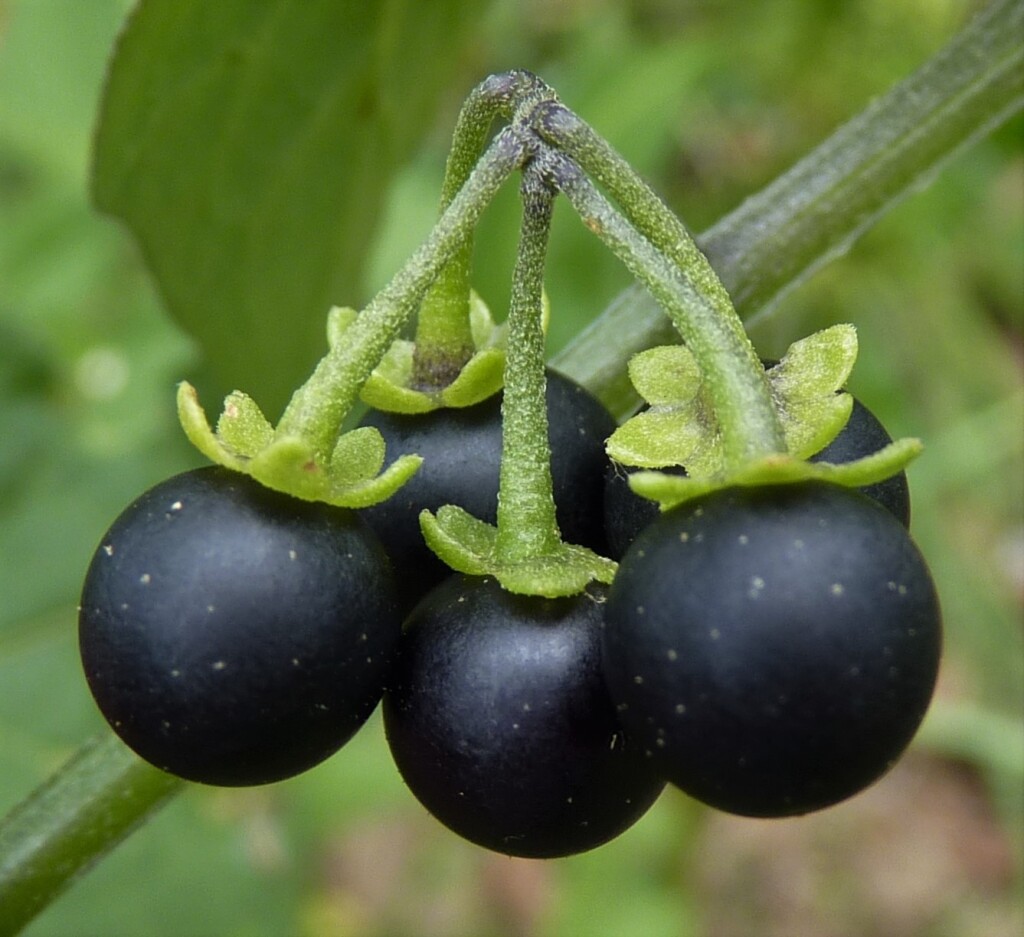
50 53
248 146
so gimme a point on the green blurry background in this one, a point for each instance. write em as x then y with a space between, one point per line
709 100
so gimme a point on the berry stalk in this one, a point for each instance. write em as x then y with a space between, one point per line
526 508
443 340
734 374
640 204
318 408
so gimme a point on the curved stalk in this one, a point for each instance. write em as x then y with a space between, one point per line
444 341
734 375
317 409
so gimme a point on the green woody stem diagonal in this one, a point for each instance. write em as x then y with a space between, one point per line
97 799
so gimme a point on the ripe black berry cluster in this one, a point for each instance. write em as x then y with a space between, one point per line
767 642
768 650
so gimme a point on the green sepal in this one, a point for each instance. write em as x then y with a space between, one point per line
672 490
666 376
390 386
679 426
806 386
481 377
197 428
244 441
242 426
387 388
469 545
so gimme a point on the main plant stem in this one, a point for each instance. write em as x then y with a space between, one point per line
103 793
812 213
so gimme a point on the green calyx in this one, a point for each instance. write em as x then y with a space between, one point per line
469 545
245 441
395 385
679 427
672 490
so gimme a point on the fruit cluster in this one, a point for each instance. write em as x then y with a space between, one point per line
769 651
767 642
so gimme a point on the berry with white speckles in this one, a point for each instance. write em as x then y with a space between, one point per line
802 660
198 608
499 721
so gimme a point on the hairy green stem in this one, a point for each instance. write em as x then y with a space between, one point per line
444 341
733 373
526 508
317 409
813 212
103 793
640 204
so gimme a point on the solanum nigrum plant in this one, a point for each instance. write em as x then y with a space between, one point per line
769 644
773 648
235 635
499 721
461 452
626 513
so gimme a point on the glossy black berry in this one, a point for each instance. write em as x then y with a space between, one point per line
499 721
626 514
774 649
234 635
461 451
